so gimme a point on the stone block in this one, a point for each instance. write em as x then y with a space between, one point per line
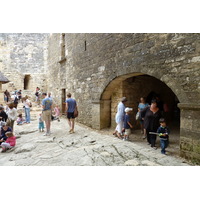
196 146
196 59
186 123
186 144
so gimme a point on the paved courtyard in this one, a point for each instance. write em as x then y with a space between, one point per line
86 147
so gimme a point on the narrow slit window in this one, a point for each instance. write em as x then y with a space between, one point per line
85 45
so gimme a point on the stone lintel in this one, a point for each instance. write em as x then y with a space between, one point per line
189 106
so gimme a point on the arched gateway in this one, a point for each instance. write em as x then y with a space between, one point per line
137 84
133 86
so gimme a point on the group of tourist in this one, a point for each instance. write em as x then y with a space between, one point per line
151 121
150 117
8 114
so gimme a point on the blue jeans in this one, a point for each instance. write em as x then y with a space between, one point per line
163 145
27 115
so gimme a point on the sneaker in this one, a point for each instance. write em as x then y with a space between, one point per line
45 134
3 150
154 148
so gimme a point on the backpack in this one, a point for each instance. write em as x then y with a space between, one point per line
16 100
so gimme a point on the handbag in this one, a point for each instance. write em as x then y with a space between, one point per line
137 117
76 112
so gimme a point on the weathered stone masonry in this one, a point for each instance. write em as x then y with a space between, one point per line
98 67
23 60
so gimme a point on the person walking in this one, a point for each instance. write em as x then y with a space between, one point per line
46 112
71 108
119 118
163 132
6 96
151 117
127 124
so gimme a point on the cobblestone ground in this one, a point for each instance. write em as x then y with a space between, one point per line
86 147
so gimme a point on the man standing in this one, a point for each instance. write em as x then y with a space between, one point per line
71 107
46 112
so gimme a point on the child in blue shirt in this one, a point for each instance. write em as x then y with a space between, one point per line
163 132
127 124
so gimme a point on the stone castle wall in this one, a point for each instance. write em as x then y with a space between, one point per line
98 66
24 54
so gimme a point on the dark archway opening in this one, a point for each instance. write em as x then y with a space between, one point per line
134 87
27 82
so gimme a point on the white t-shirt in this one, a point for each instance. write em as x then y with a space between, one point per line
27 103
12 114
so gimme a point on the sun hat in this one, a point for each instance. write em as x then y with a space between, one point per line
124 99
128 109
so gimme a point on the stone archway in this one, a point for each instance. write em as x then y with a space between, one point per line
133 86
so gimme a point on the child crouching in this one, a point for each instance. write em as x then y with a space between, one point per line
20 120
127 124
9 143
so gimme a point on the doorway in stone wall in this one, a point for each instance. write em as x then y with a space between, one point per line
27 82
134 86
63 98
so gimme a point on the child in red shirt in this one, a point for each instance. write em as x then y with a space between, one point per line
9 143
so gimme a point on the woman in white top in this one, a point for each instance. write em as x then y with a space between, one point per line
27 105
119 118
12 115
